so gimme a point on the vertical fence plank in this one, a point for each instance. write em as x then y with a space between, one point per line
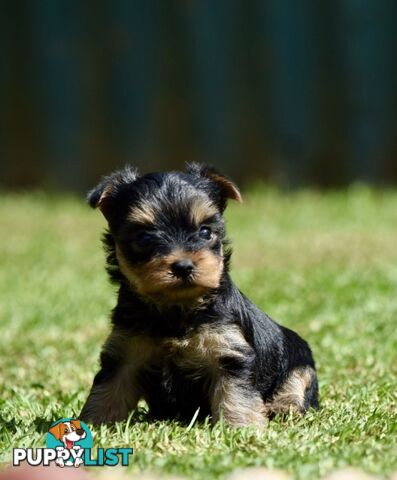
59 55
132 34
288 32
211 26
367 30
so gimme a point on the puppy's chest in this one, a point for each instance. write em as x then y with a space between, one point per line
204 348
198 352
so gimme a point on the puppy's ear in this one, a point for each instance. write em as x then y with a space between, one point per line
102 195
76 423
56 430
227 188
97 196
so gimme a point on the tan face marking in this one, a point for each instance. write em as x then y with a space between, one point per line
154 279
142 213
201 209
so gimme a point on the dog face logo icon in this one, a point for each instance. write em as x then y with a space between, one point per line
69 437
68 432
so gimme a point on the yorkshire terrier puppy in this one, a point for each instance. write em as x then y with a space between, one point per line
183 336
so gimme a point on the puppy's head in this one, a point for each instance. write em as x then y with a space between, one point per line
69 429
168 229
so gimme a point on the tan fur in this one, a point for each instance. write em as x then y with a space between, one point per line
291 395
107 191
201 350
201 209
199 354
154 279
209 268
236 402
113 400
228 187
142 213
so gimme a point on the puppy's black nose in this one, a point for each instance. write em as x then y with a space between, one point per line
182 268
80 431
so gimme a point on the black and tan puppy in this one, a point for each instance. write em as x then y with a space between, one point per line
183 335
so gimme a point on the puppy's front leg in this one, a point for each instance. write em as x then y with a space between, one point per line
112 396
116 389
236 400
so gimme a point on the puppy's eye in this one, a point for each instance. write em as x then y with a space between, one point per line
144 239
205 233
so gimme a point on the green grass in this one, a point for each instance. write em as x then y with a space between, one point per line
323 264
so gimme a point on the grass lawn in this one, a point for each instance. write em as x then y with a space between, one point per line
323 264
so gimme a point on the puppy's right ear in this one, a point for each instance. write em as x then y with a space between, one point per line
96 197
102 195
56 430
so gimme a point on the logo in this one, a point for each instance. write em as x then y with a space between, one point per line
69 443
69 437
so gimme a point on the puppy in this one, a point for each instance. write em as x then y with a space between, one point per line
183 336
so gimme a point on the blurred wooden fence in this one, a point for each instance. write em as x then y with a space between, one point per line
291 91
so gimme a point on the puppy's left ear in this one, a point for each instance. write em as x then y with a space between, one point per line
227 188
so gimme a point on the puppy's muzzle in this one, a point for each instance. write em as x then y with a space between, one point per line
182 268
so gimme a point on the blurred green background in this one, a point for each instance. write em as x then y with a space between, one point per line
323 264
291 92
